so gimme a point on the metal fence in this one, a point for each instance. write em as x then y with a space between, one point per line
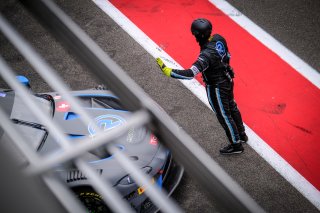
185 150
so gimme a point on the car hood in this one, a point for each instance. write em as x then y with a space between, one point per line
139 144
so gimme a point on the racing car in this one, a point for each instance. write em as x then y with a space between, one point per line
107 112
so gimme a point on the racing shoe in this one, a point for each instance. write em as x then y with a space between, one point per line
231 149
243 137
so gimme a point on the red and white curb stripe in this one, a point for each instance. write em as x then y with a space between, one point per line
258 144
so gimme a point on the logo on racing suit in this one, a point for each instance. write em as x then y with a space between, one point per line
220 48
105 123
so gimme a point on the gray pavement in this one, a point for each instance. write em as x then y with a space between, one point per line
257 177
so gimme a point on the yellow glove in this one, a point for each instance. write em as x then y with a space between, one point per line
166 70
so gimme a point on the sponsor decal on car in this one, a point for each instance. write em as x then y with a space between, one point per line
63 106
142 189
153 140
105 123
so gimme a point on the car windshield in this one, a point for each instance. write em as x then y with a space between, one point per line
27 124
106 102
20 112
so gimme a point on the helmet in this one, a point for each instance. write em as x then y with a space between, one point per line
201 28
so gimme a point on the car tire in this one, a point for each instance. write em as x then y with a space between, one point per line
91 200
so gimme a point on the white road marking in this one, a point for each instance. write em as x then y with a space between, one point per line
257 143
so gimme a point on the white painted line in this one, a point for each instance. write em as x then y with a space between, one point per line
151 47
260 146
265 38
284 168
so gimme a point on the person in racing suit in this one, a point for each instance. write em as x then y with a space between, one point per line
213 63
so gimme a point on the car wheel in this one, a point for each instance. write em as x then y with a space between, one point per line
91 200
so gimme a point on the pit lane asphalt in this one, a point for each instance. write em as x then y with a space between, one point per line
257 177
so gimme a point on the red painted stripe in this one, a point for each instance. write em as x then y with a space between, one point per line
279 104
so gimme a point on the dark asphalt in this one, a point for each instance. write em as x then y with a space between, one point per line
292 23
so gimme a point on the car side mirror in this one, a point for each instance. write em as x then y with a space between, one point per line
23 80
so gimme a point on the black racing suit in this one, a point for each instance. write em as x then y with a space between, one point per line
213 63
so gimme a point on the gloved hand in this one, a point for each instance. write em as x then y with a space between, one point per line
166 70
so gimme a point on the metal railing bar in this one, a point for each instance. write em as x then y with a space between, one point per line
92 56
47 73
43 68
137 119
105 190
229 194
68 200
55 186
7 74
163 202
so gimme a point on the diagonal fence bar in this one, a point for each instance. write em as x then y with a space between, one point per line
40 65
25 95
201 167
108 193
50 75
228 193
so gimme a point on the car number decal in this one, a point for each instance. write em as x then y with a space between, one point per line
105 123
